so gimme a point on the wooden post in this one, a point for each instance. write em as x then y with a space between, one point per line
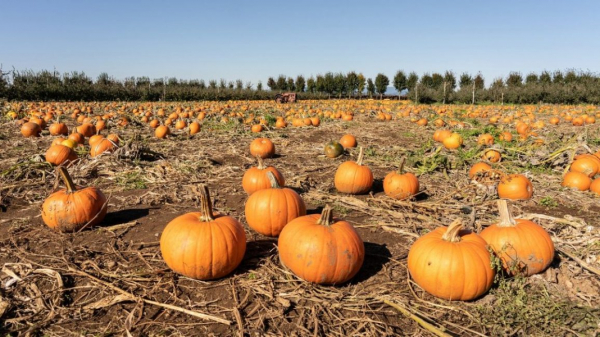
473 101
444 99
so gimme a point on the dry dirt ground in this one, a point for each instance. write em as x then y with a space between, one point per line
111 280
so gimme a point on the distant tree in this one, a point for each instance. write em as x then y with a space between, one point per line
320 83
311 85
230 85
202 84
400 81
212 84
248 85
479 82
329 83
352 82
450 80
272 84
381 84
412 82
558 77
426 81
282 83
290 84
300 84
222 84
259 86
571 77
531 78
514 79
545 78
437 80
465 80
370 87
103 79
341 85
361 84
172 81
239 85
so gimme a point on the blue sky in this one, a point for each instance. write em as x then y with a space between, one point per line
252 40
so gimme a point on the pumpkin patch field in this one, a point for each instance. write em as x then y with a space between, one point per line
314 218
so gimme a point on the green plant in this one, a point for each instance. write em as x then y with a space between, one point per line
131 181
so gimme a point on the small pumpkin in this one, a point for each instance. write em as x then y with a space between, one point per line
255 178
87 129
578 180
102 146
321 249
477 168
348 141
491 155
60 154
586 163
595 186
262 147
31 129
194 128
72 209
352 177
440 135
451 263
452 142
203 245
162 131
506 136
399 185
523 246
57 129
256 128
333 149
515 187
269 210
485 139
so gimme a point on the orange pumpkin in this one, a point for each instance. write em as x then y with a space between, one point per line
485 139
352 177
506 136
256 128
58 129
255 178
586 163
269 210
477 168
578 180
451 263
348 141
399 185
203 245
440 135
162 132
31 129
321 249
102 146
452 142
262 147
515 187
60 154
87 130
72 209
595 186
492 156
523 246
194 128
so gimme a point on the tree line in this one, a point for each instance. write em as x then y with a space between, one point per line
565 87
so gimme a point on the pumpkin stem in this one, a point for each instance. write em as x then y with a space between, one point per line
401 167
273 180
261 163
326 216
506 219
64 174
452 231
205 204
361 156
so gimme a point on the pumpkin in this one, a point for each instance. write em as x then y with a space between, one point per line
515 187
523 246
256 128
492 156
194 128
422 122
31 129
58 129
506 136
113 137
87 129
352 177
348 141
280 123
203 245
256 178
321 249
262 147
100 125
180 124
58 140
333 149
73 209
477 168
586 163
100 147
554 120
95 139
578 180
77 137
578 121
70 143
595 186
60 154
269 210
162 131
440 135
451 263
399 185
452 142
485 139
154 123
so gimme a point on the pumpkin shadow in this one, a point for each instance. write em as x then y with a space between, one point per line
124 216
377 186
256 252
376 256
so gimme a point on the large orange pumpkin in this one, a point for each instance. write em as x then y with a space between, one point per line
451 263
586 163
203 245
255 178
399 185
515 187
31 129
269 210
321 249
58 129
72 209
522 245
352 177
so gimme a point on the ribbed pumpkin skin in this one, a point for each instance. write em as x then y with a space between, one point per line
400 186
320 254
269 210
58 129
526 246
262 147
69 212
588 164
515 187
203 250
478 167
578 180
87 129
59 154
451 270
352 178
100 147
255 179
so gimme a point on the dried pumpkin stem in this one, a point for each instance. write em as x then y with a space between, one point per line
261 163
401 167
205 204
326 216
452 231
361 156
64 174
506 219
273 180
